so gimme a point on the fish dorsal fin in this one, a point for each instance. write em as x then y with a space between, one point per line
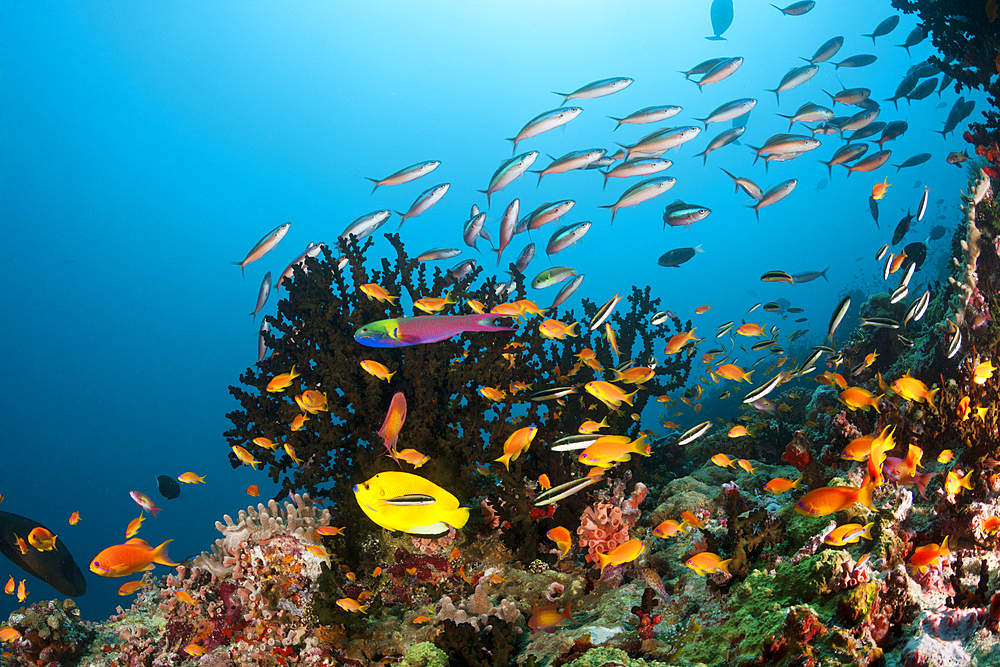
138 541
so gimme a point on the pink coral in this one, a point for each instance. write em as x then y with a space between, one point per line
602 528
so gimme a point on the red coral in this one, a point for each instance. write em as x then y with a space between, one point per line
797 452
602 528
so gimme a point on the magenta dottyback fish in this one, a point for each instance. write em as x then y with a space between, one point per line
405 331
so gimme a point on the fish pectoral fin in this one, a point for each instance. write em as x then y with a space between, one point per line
412 499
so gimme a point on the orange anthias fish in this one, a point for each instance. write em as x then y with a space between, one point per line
413 457
282 382
623 553
186 598
832 379
946 456
913 457
430 304
636 375
693 521
22 592
668 528
880 445
21 544
954 483
330 530
678 341
750 329
298 423
562 538
492 393
859 449
610 449
549 618
991 524
136 555
393 424
266 443
612 339
982 372
609 394
194 649
8 634
701 310
190 478
746 465
556 330
253 490
913 389
11 585
351 605
133 526
312 401
245 456
74 518
879 189
375 291
733 372
849 533
707 563
780 485
963 408
737 431
517 442
929 554
590 426
829 499
543 481
722 461
376 369
858 398
42 539
131 587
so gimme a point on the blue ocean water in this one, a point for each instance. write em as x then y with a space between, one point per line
146 146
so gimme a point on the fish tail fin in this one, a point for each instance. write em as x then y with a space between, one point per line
618 120
565 97
931 395
641 446
403 219
571 331
704 159
755 149
797 483
540 174
867 532
161 556
487 322
698 248
776 94
824 274
605 186
865 495
944 546
243 268
628 398
505 460
377 183
603 560
724 565
873 38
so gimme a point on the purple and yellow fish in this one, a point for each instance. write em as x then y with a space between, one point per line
406 331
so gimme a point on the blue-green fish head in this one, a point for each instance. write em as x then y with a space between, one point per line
384 333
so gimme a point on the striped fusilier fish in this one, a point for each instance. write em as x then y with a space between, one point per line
426 199
827 50
597 89
785 143
507 224
262 341
860 60
774 195
411 173
312 250
265 291
748 186
543 123
524 259
913 161
721 140
438 253
659 141
547 213
680 214
571 161
638 167
797 8
724 69
472 228
892 130
729 111
850 96
845 154
508 171
870 163
808 113
702 67
648 115
363 227
859 120
566 291
264 246
883 28
566 236
795 77
640 192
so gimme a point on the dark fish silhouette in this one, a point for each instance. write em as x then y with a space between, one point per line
873 207
722 18
168 486
916 253
55 567
902 228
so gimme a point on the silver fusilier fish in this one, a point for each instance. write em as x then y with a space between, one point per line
597 89
544 122
411 173
729 111
566 236
774 195
883 28
422 203
644 166
264 246
262 341
566 291
647 115
570 161
795 77
363 227
721 140
507 224
828 50
640 192
312 250
508 171
435 254
265 291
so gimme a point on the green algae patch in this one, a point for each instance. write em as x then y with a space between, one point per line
597 657
798 528
425 654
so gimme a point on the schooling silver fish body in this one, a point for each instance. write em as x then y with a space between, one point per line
363 227
647 115
721 71
265 291
312 250
720 140
435 254
507 225
566 291
411 173
795 77
508 171
566 236
636 167
729 111
597 89
422 203
883 28
544 122
828 50
264 246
